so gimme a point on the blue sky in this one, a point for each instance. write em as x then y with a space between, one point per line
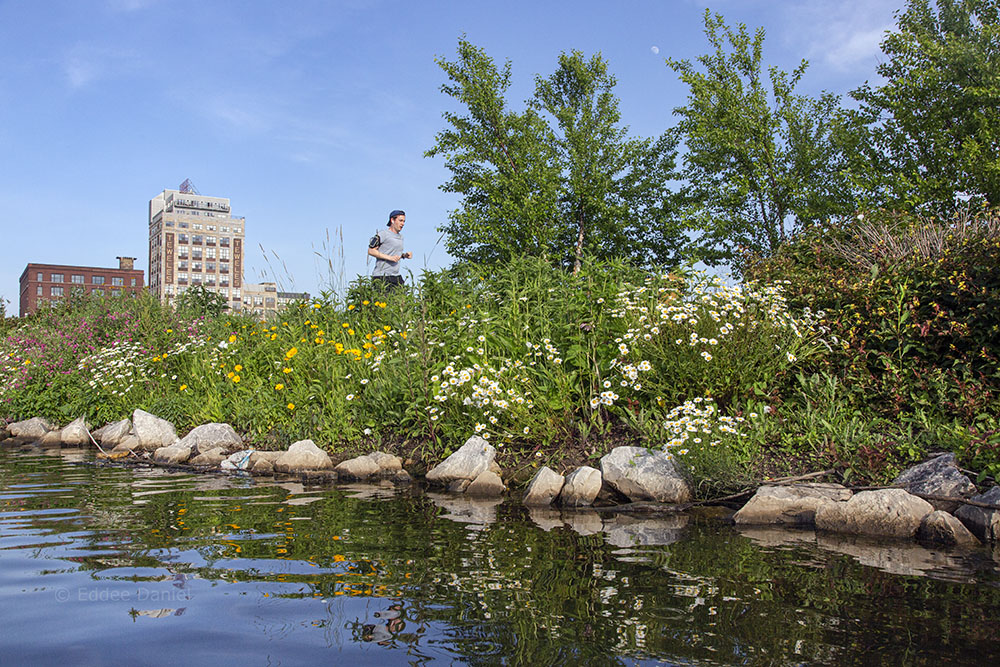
312 116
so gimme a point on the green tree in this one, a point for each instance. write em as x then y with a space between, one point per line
501 162
934 128
761 159
198 301
560 180
614 195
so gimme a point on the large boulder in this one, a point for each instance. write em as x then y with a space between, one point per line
207 437
303 455
210 459
152 431
544 487
360 467
173 455
642 474
938 477
113 434
882 513
487 485
241 460
76 433
982 522
581 487
30 429
388 464
470 461
789 505
943 528
50 439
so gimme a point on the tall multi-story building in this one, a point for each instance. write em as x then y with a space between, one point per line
264 299
49 283
195 240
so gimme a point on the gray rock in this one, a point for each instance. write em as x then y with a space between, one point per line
4 432
360 467
581 487
114 434
487 485
30 429
210 459
387 463
544 487
883 513
303 455
938 477
471 460
943 528
269 455
172 455
211 436
241 460
642 474
789 505
459 485
982 522
76 433
152 431
400 477
262 467
129 443
52 438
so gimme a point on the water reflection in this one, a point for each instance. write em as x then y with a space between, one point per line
288 572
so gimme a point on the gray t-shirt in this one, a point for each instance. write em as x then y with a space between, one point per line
392 244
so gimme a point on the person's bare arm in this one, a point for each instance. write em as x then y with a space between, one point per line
389 258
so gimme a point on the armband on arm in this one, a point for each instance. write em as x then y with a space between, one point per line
375 241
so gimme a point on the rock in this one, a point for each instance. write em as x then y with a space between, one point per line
581 487
401 477
211 436
152 431
387 463
906 558
642 474
883 513
303 455
546 518
982 522
544 487
629 531
471 460
584 521
210 459
789 505
30 429
4 432
487 485
270 456
241 460
361 467
114 434
262 467
459 485
476 513
938 477
76 433
52 438
172 455
941 527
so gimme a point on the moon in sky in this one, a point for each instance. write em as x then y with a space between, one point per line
654 49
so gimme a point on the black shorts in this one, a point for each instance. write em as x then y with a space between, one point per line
389 282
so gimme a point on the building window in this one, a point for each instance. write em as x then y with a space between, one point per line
97 280
223 253
77 279
197 226
117 282
182 225
40 278
38 290
116 292
209 253
58 278
133 282
98 291
169 223
197 239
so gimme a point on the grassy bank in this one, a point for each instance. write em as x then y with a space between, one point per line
550 367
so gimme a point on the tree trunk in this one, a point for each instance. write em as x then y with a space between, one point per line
579 244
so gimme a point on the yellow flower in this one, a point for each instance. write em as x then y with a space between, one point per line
170 330
273 336
286 370
364 303
350 307
232 338
183 387
237 368
291 406
279 386
291 353
345 325
230 374
350 331
236 378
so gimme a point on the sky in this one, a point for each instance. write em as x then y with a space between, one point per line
313 116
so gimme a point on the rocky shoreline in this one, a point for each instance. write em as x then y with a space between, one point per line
932 502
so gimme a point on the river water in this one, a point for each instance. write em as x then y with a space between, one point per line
103 564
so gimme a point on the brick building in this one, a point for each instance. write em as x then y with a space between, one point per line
42 283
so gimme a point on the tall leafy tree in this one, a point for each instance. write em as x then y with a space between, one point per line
502 163
614 199
934 130
560 179
761 159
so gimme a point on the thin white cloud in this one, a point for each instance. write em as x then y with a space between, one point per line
86 63
842 34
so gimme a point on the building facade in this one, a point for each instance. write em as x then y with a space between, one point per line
46 283
264 299
195 240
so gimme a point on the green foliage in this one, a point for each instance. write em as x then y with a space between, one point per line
560 180
199 301
934 134
761 160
